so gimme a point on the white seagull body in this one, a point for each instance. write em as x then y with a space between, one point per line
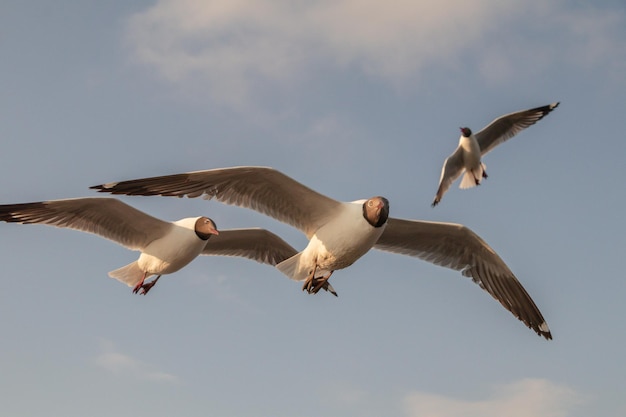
339 233
337 244
165 247
467 156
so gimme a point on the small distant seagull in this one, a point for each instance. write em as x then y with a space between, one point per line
340 233
467 156
165 247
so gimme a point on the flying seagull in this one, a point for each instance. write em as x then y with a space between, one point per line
340 233
467 156
165 246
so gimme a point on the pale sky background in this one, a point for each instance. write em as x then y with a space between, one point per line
354 99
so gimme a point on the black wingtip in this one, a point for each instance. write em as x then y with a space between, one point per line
543 330
547 109
103 188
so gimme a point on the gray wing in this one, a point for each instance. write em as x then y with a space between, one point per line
257 244
509 125
457 247
452 169
105 217
259 188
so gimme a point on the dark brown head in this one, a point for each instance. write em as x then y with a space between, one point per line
205 227
376 211
466 132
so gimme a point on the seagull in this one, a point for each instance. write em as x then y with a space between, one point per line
467 156
165 247
340 233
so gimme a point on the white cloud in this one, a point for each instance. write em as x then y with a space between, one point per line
228 46
557 37
119 363
525 398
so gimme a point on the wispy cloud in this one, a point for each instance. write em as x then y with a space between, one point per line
122 364
228 47
525 398
223 290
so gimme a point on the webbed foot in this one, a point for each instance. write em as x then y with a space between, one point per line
142 288
313 284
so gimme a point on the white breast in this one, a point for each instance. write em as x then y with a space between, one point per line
173 251
343 240
471 152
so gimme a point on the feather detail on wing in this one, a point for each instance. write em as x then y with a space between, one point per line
457 247
452 169
258 188
505 127
105 217
257 244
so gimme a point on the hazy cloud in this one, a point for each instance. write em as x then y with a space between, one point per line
228 47
525 398
119 363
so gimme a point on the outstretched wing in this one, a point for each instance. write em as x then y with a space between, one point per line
452 169
259 188
457 247
258 244
106 217
509 125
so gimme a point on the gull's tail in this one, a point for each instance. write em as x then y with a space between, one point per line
130 274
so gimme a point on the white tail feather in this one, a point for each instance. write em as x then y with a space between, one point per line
291 268
470 177
468 180
130 274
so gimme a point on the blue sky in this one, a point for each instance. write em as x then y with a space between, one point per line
353 99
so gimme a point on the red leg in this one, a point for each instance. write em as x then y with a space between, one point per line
140 283
146 287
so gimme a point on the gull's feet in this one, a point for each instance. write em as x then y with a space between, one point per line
308 284
144 288
312 285
329 288
137 287
319 283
